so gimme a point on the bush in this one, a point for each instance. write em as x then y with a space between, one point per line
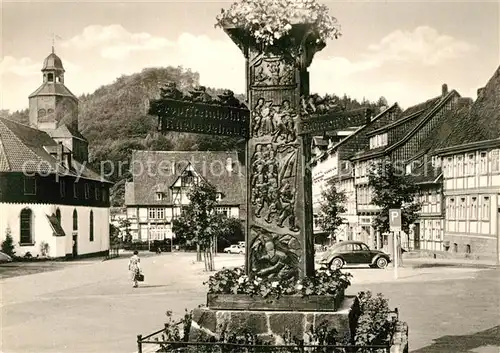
8 244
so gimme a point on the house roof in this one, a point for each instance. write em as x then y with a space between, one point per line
25 149
53 89
167 166
359 139
481 122
412 118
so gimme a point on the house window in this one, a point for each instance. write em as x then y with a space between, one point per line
452 208
97 195
218 196
41 112
87 191
29 185
187 179
472 164
62 188
104 195
473 208
486 208
495 161
91 226
26 226
224 210
159 196
460 166
449 167
75 190
156 213
483 163
50 77
462 208
75 220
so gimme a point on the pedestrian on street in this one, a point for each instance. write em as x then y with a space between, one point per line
134 267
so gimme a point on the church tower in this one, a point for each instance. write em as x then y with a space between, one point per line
54 109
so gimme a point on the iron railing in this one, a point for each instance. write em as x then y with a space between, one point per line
157 343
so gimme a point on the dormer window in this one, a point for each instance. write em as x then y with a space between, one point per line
218 196
159 196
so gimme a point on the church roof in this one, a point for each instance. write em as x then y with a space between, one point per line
25 149
52 62
167 166
53 89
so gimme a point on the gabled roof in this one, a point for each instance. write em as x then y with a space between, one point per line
412 118
359 139
53 89
167 166
25 149
481 122
66 131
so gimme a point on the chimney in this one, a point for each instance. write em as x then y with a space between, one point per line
480 91
444 89
60 149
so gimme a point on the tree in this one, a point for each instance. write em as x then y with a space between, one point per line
125 226
199 223
392 188
8 244
331 207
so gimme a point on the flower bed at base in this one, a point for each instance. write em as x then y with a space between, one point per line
235 281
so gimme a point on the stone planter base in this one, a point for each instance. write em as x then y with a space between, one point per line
284 303
271 325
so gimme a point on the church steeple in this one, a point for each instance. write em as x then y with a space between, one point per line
53 70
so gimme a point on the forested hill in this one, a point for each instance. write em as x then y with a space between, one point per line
114 119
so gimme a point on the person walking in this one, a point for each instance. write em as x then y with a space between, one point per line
134 267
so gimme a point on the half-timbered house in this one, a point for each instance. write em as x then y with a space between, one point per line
161 182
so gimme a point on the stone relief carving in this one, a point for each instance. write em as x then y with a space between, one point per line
273 170
274 256
277 121
273 72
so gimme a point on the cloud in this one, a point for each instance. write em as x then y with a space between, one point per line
114 41
21 67
423 45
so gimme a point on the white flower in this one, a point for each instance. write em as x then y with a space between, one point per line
300 286
274 284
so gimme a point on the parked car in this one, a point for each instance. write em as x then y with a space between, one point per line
4 257
234 249
354 253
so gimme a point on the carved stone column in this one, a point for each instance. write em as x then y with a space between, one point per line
280 240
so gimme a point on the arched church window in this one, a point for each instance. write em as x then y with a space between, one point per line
26 220
58 215
91 225
75 220
50 77
41 112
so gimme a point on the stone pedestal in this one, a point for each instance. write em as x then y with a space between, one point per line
271 325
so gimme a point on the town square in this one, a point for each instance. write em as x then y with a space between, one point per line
302 183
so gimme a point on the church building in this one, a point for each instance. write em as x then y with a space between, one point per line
51 203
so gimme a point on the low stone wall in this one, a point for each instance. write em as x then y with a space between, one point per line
270 326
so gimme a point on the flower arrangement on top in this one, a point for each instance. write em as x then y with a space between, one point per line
268 21
234 281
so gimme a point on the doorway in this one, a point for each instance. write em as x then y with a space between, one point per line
75 244
416 236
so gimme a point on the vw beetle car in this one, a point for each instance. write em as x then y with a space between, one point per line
354 253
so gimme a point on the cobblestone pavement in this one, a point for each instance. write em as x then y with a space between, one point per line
92 307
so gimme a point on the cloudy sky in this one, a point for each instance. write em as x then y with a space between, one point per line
402 50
